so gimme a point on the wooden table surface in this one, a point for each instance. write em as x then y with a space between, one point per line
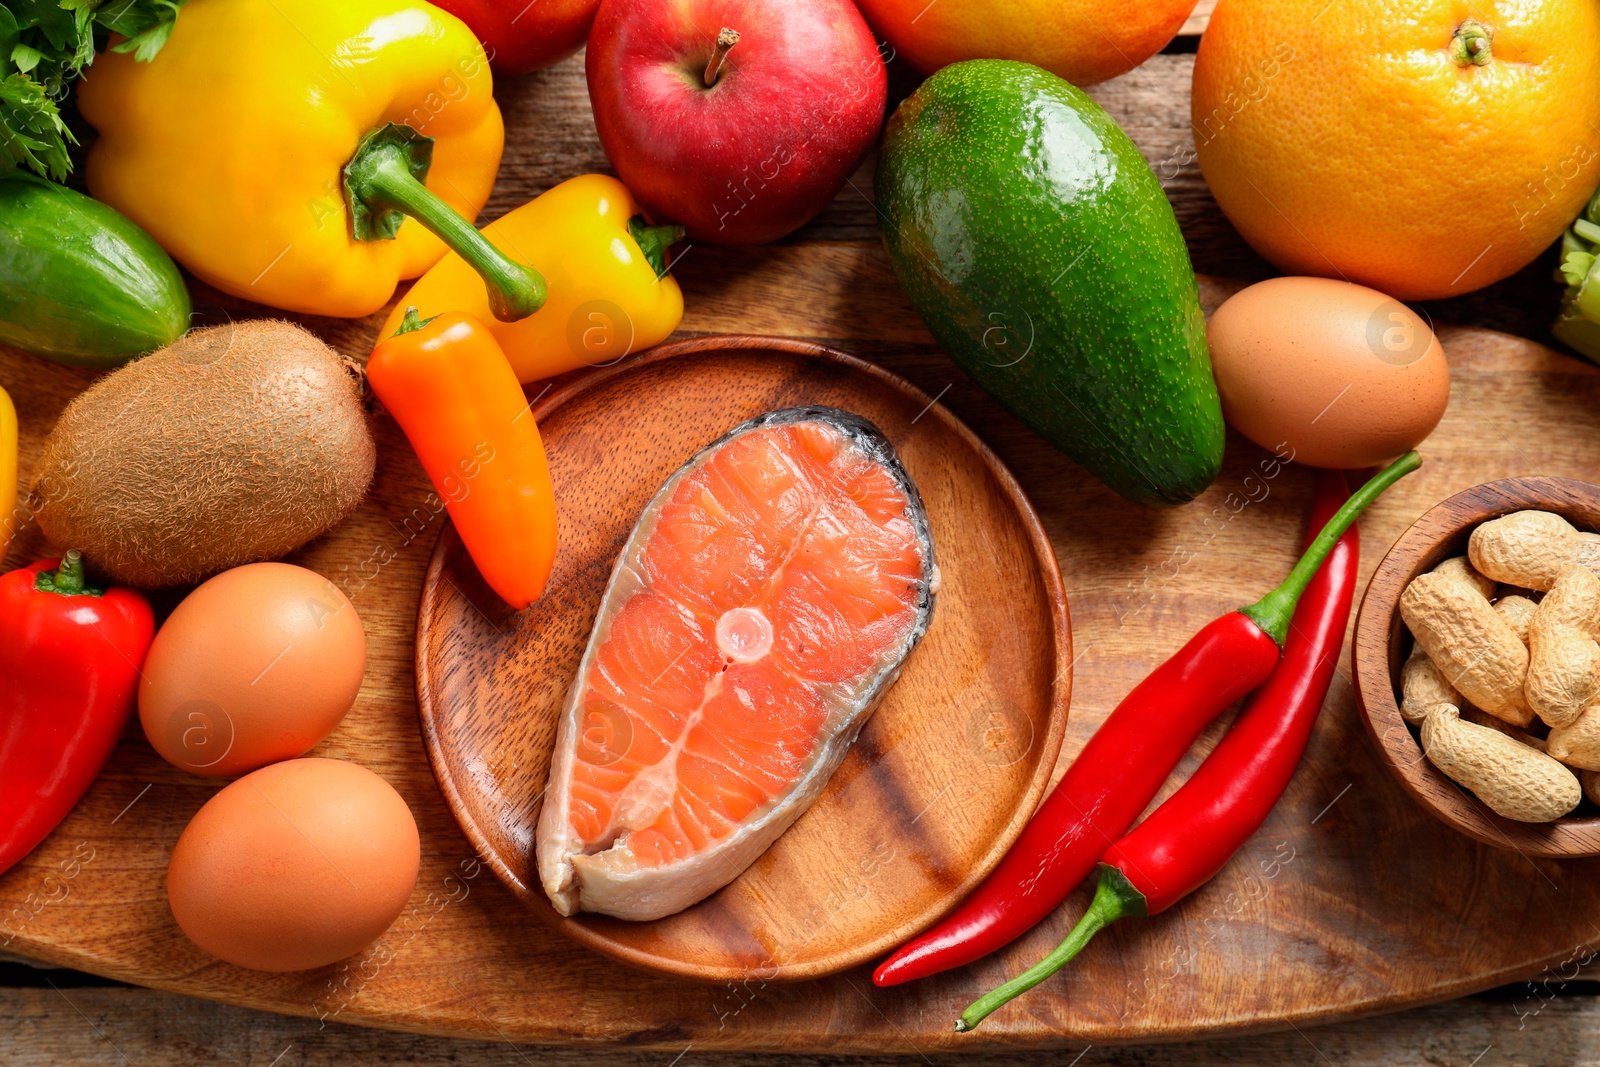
56 1016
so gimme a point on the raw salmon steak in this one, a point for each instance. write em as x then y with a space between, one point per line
761 608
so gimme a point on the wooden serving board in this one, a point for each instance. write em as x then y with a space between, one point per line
1351 899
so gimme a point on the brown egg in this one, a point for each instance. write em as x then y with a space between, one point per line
1327 373
295 866
255 666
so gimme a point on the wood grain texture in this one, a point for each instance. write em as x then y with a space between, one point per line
1196 23
88 1027
1381 644
1350 901
943 776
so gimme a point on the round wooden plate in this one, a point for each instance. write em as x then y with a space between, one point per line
944 775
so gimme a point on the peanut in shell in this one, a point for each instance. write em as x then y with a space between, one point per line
1586 551
1515 781
1516 733
1474 648
1590 780
1563 674
1518 612
1578 743
1574 600
1525 548
1460 567
1423 687
1563 656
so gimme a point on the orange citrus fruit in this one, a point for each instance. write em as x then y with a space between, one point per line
1424 148
1083 41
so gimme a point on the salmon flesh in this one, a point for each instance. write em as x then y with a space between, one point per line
761 608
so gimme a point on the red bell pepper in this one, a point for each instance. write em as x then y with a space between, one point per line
70 654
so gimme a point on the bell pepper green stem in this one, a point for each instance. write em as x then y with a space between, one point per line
383 183
1115 898
1273 611
654 241
68 579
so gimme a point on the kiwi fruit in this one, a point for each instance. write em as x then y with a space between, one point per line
234 444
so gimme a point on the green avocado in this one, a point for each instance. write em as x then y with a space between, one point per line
1038 246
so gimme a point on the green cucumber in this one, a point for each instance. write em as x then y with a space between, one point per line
1039 248
79 282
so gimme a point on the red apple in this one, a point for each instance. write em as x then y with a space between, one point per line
739 119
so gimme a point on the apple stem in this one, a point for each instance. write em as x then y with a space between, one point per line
726 39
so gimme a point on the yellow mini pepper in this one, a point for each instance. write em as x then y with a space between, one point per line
609 293
8 472
275 147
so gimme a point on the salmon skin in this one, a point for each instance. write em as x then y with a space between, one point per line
761 608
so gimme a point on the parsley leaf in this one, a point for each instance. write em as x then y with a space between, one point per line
32 134
44 46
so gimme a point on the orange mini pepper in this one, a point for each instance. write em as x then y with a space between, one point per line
447 383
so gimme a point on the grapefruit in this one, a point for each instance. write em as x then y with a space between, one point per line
1424 149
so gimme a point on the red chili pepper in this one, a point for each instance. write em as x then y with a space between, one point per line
1197 830
1124 764
70 655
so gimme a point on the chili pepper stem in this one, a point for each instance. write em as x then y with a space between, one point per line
1114 898
383 183
1273 611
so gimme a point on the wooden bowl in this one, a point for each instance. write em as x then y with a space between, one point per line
944 775
1382 644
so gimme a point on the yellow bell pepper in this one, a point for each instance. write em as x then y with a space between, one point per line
608 290
9 519
275 147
